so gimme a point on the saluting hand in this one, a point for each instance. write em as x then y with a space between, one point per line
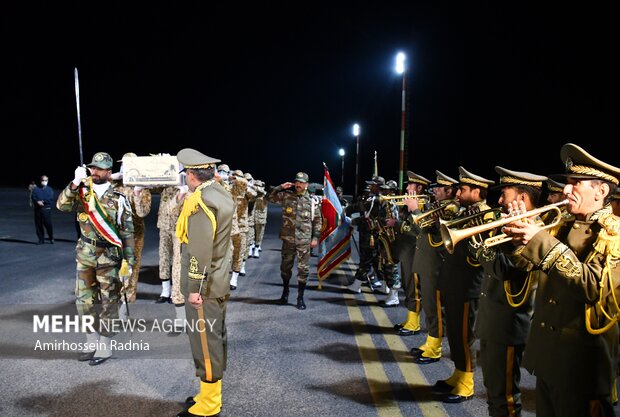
286 185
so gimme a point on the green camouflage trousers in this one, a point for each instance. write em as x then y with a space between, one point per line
132 283
289 251
97 287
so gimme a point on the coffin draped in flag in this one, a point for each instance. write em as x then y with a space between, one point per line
336 233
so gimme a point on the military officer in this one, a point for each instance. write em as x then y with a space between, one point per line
430 254
140 200
460 279
573 339
300 231
203 229
105 249
506 301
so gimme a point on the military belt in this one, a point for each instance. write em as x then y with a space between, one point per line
95 242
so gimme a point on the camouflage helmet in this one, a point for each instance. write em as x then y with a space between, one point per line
301 177
248 176
223 167
101 160
237 173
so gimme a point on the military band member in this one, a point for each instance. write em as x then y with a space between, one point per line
506 302
460 280
364 213
430 255
615 203
555 191
404 251
300 231
203 229
388 263
573 339
104 250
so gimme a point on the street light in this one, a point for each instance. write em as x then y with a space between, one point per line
341 153
356 133
401 69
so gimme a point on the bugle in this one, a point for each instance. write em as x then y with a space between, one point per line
452 236
399 200
446 210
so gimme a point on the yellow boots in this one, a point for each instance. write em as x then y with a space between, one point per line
411 326
208 400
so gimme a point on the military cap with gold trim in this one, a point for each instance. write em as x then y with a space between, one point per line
580 164
443 180
554 186
509 178
192 159
466 177
417 179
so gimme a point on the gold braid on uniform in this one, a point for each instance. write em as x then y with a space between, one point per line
518 181
524 292
585 170
474 182
607 244
190 206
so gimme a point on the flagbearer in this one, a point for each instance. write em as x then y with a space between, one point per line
105 249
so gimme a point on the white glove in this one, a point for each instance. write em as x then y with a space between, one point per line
138 188
183 188
79 175
116 176
125 278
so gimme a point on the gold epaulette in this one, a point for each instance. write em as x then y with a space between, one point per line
608 240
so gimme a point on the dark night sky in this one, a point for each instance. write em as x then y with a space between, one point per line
276 90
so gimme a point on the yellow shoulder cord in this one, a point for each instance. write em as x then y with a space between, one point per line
190 206
434 244
608 245
525 290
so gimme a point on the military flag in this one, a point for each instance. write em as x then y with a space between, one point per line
336 232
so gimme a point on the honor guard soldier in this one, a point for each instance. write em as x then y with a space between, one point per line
460 280
300 231
573 339
104 251
203 228
429 256
506 301
260 217
404 251
140 200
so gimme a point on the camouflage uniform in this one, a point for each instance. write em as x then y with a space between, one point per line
240 222
260 216
301 222
140 208
169 245
98 261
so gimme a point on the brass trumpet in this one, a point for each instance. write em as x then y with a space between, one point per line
399 200
446 210
452 236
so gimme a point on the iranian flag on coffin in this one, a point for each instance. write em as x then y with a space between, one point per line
336 233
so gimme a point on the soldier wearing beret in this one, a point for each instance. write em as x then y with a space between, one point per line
506 301
429 256
203 228
105 249
460 280
300 231
573 339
